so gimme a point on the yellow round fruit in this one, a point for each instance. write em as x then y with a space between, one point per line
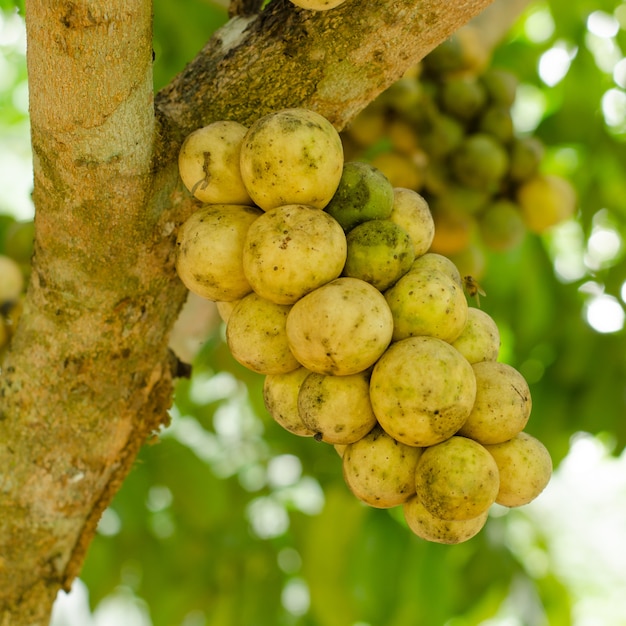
422 390
256 336
291 250
209 257
341 328
480 337
280 395
546 200
457 479
291 156
436 261
411 212
427 303
525 469
337 408
379 470
502 406
208 163
426 526
11 279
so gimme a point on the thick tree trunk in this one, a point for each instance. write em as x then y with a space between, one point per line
88 376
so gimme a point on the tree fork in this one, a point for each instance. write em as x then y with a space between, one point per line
88 376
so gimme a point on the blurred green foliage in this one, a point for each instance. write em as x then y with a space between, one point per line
207 534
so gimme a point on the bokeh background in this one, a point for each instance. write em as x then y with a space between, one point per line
227 520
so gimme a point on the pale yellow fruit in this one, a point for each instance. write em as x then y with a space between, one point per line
480 338
435 261
317 5
546 200
208 163
280 395
401 170
379 470
340 448
426 526
411 212
291 250
337 408
525 469
502 406
427 303
256 336
291 156
422 390
457 479
224 309
341 328
209 257
11 279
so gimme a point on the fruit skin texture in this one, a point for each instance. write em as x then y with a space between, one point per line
480 338
340 328
457 479
291 156
337 408
208 163
380 470
291 250
422 390
210 251
256 336
280 395
426 526
410 211
502 406
379 252
435 261
525 469
364 193
427 302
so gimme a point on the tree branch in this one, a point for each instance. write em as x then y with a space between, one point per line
88 375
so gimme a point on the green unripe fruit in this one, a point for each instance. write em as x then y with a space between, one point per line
480 162
441 134
292 156
463 97
500 85
525 157
364 193
457 479
502 226
379 252
497 121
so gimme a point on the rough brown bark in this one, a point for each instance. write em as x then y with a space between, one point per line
88 376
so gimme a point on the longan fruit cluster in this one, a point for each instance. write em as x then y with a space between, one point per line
322 272
446 130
